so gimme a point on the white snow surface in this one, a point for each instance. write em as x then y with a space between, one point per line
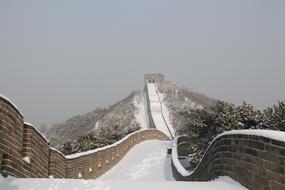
1 95
76 155
222 183
271 134
157 111
176 162
146 161
96 125
40 133
27 160
165 112
146 166
149 163
140 113
57 151
11 183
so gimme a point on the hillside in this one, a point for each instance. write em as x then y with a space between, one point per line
105 126
178 100
124 115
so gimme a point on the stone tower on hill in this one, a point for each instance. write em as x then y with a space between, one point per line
159 79
154 78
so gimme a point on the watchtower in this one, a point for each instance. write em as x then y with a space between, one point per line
154 78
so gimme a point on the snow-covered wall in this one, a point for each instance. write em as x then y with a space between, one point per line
150 120
25 152
156 111
255 158
10 103
94 163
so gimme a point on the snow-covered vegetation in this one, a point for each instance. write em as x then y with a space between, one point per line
177 99
93 140
100 127
204 124
96 129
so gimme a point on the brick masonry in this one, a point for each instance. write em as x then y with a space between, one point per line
154 78
19 140
150 122
255 162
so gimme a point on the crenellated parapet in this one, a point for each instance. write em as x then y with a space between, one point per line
255 158
25 152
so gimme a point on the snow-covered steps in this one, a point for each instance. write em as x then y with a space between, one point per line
157 111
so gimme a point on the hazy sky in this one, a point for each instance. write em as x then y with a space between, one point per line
61 58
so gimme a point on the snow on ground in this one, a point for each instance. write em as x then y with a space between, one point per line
165 112
146 166
96 125
146 161
160 123
157 110
223 183
140 113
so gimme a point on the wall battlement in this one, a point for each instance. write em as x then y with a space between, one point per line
256 162
24 152
154 78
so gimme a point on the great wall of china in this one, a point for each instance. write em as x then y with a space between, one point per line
24 152
255 161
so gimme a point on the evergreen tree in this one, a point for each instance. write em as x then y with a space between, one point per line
203 125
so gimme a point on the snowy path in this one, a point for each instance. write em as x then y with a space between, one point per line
146 161
77 184
146 166
157 111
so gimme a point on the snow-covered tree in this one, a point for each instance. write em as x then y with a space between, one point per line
97 139
204 124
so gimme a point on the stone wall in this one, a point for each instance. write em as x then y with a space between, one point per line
36 148
11 140
96 163
24 152
254 161
151 122
154 78
57 164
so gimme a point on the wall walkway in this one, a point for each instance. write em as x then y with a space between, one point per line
24 152
255 160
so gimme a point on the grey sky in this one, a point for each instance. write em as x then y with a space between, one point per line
61 58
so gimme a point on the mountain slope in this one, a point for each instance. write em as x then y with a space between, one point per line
96 128
123 115
177 100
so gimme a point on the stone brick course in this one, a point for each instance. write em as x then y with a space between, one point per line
255 162
19 140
